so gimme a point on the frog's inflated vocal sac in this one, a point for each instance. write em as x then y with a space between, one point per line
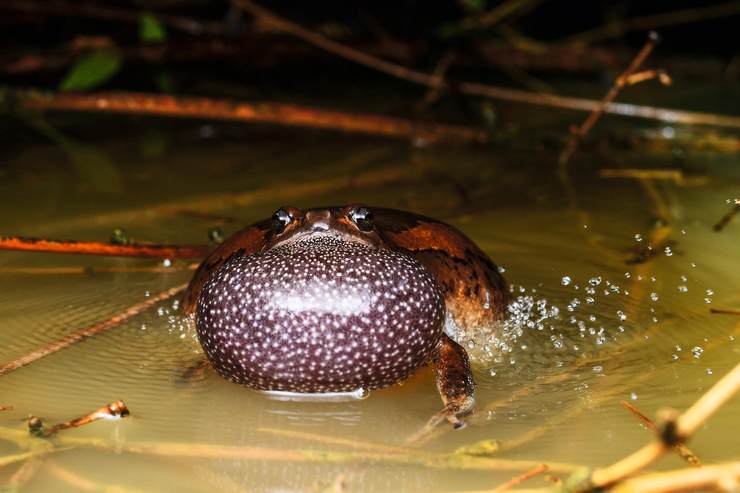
338 299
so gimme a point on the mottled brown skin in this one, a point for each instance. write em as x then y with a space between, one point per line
475 293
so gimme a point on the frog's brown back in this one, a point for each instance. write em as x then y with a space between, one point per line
475 292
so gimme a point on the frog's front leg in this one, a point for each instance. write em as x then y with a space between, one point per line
454 381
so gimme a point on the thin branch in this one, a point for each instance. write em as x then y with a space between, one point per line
108 249
520 479
675 430
92 330
580 132
260 112
483 90
682 450
646 23
114 410
725 220
92 11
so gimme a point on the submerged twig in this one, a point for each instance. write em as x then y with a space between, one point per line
676 429
580 132
109 249
259 112
725 220
520 479
478 89
724 311
90 331
682 450
114 410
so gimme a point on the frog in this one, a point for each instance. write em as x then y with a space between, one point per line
343 300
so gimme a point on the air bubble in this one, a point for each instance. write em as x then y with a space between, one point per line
654 296
565 280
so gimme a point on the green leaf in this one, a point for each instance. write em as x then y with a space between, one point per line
151 30
92 70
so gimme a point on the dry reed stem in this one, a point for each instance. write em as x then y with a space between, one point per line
675 431
682 450
579 133
520 479
718 477
478 89
108 249
91 330
259 112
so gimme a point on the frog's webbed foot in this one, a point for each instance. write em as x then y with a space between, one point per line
454 382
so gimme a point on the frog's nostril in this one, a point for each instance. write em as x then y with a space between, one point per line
320 227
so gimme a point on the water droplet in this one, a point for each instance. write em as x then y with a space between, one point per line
675 357
710 292
696 351
492 372
147 294
709 371
708 301
682 288
638 237
684 279
692 264
627 275
595 281
565 280
668 251
501 269
590 300
167 262
620 314
598 369
633 396
143 327
654 296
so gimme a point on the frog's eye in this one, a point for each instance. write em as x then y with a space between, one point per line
280 220
362 217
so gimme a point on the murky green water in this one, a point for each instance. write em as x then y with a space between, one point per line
641 333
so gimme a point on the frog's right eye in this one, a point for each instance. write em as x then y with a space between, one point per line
280 220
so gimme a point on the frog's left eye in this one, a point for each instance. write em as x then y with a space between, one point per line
362 217
280 220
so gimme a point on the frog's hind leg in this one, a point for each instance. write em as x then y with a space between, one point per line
454 382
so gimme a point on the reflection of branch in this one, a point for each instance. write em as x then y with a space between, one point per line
675 430
477 89
263 112
95 248
90 331
719 477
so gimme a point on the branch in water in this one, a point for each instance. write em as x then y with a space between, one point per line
115 409
92 330
262 112
109 249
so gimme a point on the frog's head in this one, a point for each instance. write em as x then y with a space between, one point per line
350 223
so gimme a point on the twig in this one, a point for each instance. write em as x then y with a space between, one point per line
725 220
675 175
675 430
484 90
259 112
520 479
718 477
580 132
90 331
96 11
682 450
494 16
109 249
618 28
114 410
723 311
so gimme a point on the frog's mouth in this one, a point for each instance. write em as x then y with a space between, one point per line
322 230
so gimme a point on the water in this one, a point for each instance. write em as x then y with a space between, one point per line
587 329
